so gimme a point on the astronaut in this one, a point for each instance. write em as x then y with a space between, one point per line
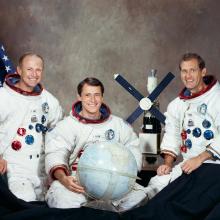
192 125
27 111
89 121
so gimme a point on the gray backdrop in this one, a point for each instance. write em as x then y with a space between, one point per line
80 38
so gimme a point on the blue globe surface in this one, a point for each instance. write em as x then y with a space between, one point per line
107 170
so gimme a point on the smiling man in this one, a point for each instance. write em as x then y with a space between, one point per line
193 116
192 131
91 98
90 121
27 111
30 69
192 72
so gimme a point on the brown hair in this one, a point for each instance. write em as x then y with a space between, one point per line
190 56
90 81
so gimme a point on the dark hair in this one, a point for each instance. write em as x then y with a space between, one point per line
190 56
20 61
90 81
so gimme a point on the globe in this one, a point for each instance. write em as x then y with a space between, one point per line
107 170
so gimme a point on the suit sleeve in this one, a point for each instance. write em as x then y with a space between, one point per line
129 138
171 141
59 145
214 147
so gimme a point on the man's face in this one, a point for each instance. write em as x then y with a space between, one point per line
192 75
91 98
30 71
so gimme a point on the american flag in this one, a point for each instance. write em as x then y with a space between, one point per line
6 65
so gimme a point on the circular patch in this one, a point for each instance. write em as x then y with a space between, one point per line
206 124
188 143
38 127
21 131
16 145
29 139
183 135
44 129
45 107
208 134
183 149
109 134
30 127
196 132
188 131
202 109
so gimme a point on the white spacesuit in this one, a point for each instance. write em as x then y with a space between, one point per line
24 119
64 145
192 127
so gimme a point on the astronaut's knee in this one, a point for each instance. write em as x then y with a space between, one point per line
23 190
60 197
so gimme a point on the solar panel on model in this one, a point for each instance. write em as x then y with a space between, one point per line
152 97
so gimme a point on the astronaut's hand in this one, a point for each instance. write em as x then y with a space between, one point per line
3 166
163 170
192 164
71 183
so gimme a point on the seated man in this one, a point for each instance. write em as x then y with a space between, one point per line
90 121
26 112
193 130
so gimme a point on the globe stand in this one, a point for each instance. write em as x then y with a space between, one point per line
101 205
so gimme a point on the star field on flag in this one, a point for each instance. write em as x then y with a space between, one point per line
6 65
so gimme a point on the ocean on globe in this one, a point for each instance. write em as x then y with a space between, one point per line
107 170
